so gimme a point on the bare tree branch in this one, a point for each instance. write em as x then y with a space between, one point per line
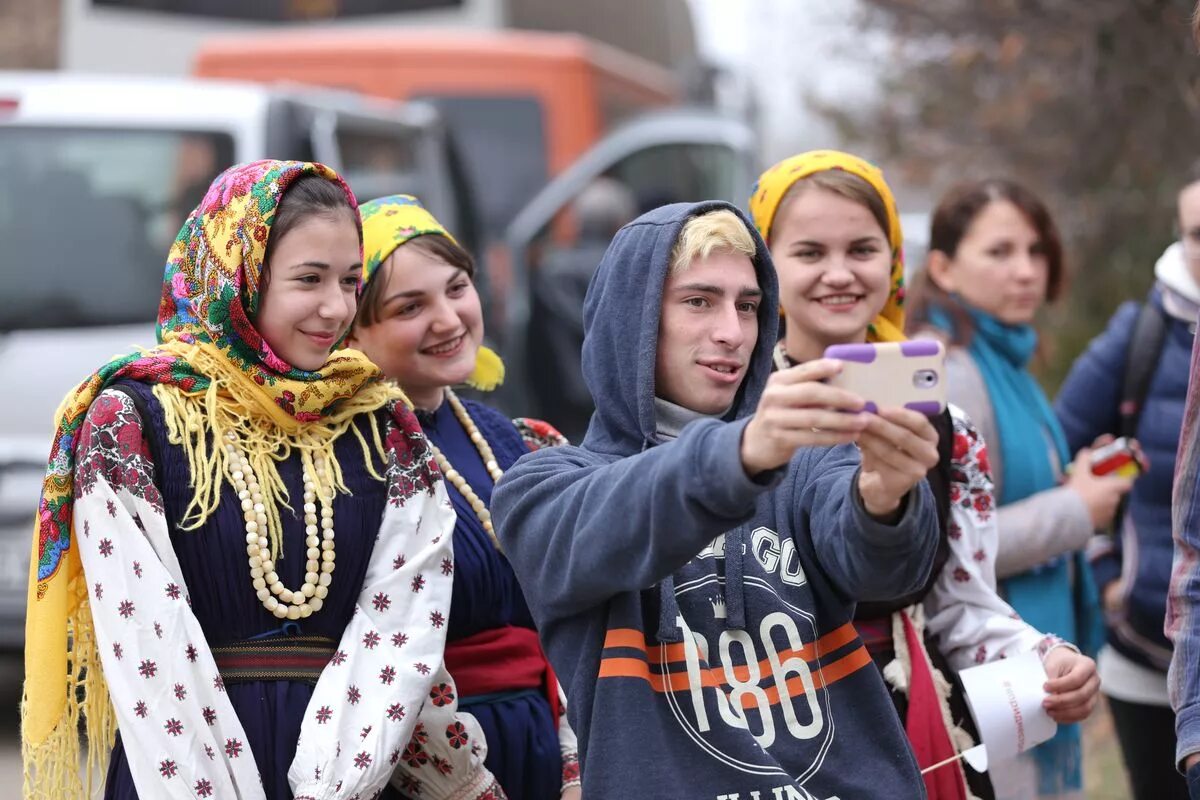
1096 105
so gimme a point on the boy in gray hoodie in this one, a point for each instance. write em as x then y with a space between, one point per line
693 567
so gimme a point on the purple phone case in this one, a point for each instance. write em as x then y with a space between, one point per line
866 354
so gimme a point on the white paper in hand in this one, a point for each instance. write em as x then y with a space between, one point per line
977 757
1006 699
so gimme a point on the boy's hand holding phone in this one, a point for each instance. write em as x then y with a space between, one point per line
799 409
899 447
903 384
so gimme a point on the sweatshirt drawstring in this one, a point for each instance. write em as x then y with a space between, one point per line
668 612
735 592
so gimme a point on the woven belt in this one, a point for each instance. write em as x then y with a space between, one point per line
278 658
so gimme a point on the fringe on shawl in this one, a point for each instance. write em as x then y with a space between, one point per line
196 421
51 769
232 404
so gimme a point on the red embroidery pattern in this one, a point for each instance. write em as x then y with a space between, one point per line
492 792
538 433
971 488
442 695
111 446
411 467
457 735
570 769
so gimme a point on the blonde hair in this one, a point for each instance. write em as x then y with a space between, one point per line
717 231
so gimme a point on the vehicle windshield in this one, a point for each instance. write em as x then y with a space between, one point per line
502 141
87 217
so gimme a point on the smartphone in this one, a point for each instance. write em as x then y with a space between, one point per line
894 374
1117 458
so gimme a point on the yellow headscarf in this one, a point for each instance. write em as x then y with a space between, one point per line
389 222
773 185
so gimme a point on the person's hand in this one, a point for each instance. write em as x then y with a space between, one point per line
1101 494
1111 596
572 793
898 448
1138 454
1073 685
1192 775
797 410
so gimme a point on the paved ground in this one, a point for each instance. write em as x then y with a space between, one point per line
1104 774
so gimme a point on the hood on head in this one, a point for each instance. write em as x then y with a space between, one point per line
621 315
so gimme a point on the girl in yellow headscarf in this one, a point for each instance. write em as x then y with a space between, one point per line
183 587
421 321
830 221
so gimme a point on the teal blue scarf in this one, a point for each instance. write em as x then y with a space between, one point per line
1060 596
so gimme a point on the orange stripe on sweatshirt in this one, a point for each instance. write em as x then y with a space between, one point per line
714 676
634 639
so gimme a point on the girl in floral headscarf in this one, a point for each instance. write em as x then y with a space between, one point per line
183 585
421 321
830 222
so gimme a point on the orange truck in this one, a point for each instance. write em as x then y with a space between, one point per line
523 105
535 119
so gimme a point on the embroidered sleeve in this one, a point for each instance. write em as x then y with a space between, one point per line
385 703
973 623
568 745
444 758
539 433
180 732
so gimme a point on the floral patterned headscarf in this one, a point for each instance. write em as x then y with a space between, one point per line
214 373
773 186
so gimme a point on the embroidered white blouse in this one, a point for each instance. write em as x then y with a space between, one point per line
374 717
972 622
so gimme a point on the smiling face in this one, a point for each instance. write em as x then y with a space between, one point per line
428 328
308 303
1000 266
707 331
834 266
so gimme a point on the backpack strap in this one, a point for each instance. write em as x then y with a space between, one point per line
1141 360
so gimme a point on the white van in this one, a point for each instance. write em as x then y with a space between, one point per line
96 177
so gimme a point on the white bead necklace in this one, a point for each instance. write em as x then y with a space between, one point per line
455 477
277 598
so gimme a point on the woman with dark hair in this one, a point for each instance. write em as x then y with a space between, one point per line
995 258
183 585
1132 381
421 321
